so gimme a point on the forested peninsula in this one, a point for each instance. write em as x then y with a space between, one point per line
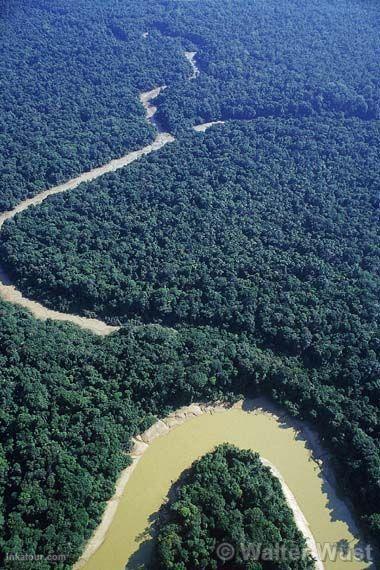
239 261
225 498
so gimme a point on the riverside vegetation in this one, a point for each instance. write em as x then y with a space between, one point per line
241 260
228 496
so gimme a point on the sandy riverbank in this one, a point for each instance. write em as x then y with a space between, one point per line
300 520
161 139
11 294
204 126
190 56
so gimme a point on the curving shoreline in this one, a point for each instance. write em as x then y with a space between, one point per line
141 443
10 294
204 126
161 139
163 426
300 520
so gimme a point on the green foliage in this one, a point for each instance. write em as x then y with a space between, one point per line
293 58
228 496
70 85
242 260
70 101
70 403
267 230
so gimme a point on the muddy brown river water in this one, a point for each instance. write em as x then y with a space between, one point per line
292 453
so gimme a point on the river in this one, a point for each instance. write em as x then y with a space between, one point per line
258 427
280 443
190 56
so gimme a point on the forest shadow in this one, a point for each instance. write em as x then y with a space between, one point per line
4 277
143 556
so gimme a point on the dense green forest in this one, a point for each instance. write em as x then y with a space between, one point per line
70 402
240 261
268 227
267 231
267 58
69 97
229 497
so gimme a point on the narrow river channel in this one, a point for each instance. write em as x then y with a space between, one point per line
293 454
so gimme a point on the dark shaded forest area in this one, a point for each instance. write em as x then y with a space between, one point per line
240 261
275 59
71 74
69 98
268 227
